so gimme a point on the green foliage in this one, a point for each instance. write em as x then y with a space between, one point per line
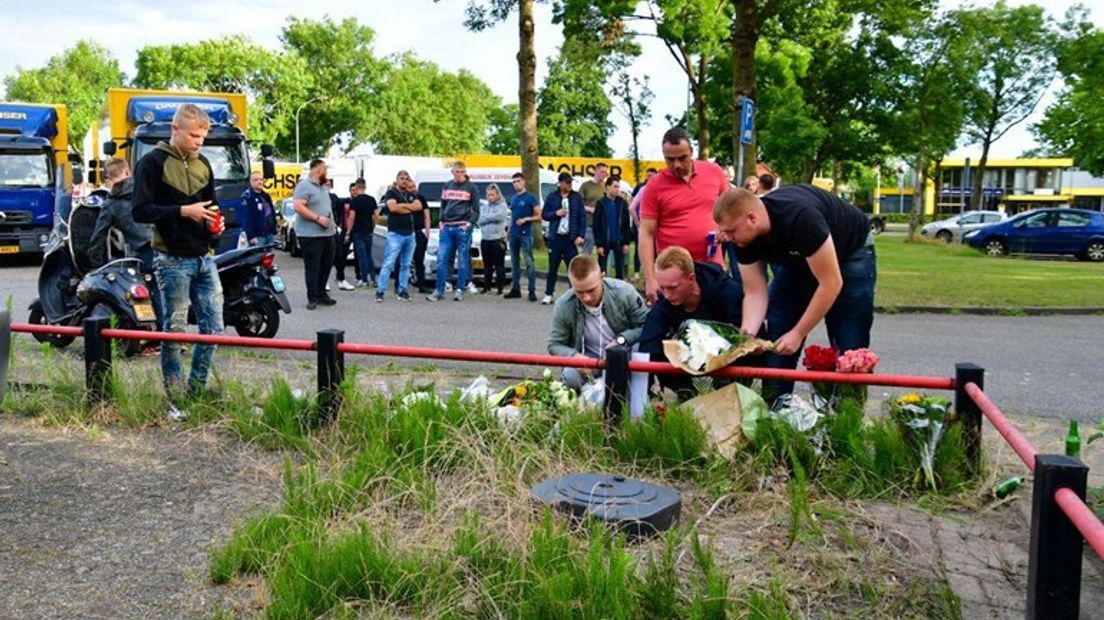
78 77
504 132
1074 124
574 105
282 421
426 111
347 77
276 82
673 441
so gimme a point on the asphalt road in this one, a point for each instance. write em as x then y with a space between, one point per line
1042 366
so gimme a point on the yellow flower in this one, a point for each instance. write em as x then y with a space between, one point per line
521 391
910 399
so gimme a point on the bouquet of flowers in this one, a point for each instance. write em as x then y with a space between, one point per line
922 420
827 359
701 347
510 404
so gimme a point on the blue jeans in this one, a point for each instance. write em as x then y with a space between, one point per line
560 248
523 246
399 247
184 279
362 247
454 243
848 320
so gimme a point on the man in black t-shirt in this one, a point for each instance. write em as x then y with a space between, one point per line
822 255
363 216
402 206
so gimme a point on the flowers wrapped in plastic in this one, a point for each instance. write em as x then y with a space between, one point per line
923 421
701 347
511 404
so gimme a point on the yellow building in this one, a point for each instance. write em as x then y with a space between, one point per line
1009 185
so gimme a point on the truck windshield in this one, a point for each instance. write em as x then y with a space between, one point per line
228 160
25 170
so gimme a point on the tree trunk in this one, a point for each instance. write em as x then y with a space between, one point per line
702 110
979 173
916 214
527 102
745 35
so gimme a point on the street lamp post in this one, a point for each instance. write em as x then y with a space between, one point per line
297 111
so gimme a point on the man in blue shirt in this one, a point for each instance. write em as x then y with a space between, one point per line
256 215
524 210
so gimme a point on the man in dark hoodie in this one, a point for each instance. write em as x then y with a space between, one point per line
459 210
174 189
256 214
689 290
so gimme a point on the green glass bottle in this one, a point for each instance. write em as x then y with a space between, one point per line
1005 487
1073 440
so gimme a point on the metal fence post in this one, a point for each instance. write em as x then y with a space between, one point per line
331 372
617 384
5 350
1054 567
97 358
968 411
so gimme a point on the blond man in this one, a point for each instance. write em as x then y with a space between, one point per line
174 189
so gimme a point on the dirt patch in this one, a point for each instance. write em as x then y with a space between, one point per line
120 524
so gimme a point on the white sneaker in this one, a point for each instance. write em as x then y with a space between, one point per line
176 415
546 300
345 286
327 287
448 287
471 288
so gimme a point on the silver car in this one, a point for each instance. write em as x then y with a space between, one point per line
952 228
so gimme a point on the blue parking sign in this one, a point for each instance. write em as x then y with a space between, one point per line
747 121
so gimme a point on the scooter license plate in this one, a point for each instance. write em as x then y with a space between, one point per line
144 311
278 284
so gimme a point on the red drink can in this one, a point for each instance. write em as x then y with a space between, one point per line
214 226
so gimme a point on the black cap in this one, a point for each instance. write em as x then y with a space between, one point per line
565 176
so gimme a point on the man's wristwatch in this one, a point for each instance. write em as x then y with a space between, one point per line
621 340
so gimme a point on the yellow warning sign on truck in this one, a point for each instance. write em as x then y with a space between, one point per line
287 175
575 166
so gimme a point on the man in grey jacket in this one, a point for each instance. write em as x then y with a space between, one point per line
459 210
595 314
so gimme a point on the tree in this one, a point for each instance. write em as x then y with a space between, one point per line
634 101
574 105
78 77
928 117
348 77
1013 49
276 83
486 14
1074 124
426 111
504 130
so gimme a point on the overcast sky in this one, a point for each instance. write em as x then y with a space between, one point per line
32 32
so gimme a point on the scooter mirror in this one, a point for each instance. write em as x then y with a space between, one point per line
269 169
109 148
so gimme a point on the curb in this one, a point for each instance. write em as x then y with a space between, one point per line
967 310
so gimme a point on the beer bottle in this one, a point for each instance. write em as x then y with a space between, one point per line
1073 440
1004 488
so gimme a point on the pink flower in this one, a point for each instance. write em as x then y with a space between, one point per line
858 360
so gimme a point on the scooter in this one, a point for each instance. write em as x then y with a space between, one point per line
252 291
71 290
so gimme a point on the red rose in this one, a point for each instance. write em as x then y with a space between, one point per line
821 358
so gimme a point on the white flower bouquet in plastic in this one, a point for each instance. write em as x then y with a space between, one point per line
701 347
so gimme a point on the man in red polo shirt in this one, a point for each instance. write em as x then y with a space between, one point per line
677 209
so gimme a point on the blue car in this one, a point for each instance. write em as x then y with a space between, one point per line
1044 231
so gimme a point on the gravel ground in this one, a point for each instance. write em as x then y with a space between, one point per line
119 524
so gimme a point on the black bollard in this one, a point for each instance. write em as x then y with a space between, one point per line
331 372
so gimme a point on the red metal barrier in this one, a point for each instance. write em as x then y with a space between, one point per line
1011 434
52 330
751 372
236 341
1083 519
523 359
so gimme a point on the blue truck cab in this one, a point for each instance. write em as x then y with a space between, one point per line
34 173
137 120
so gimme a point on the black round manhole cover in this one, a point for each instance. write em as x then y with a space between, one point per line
635 507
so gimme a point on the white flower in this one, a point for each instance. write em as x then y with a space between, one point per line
547 374
414 398
700 344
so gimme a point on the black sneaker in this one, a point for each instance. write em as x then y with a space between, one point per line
311 305
403 296
379 297
513 294
326 300
532 296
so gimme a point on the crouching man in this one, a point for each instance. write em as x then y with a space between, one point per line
689 290
595 314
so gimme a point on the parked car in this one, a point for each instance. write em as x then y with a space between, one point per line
1044 231
285 227
952 228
